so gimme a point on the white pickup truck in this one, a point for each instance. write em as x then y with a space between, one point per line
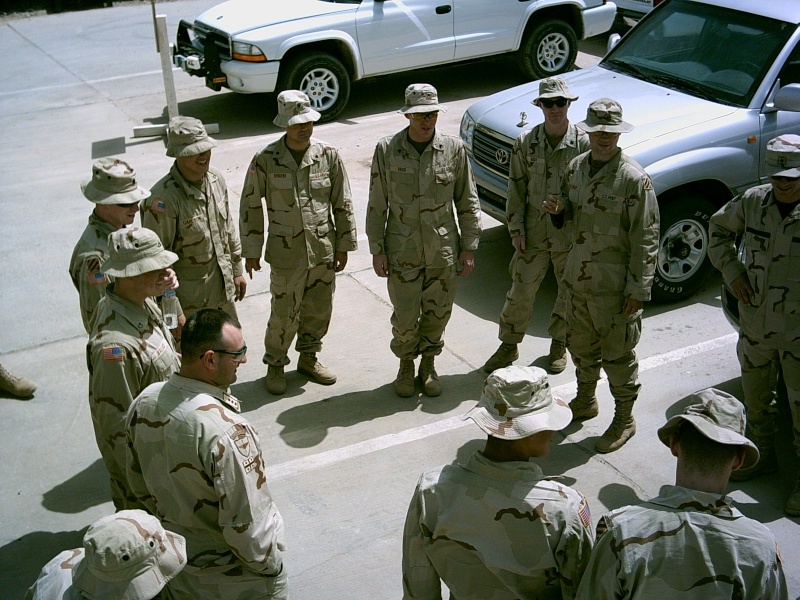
321 46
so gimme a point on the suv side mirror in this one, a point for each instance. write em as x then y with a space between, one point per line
613 40
788 97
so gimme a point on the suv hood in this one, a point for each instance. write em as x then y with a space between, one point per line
237 16
653 110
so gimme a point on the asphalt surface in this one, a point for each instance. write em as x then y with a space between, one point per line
343 459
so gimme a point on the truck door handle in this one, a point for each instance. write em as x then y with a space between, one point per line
444 9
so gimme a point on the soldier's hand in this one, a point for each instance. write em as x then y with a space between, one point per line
467 261
241 287
631 306
252 264
339 261
518 241
742 289
553 205
380 265
172 280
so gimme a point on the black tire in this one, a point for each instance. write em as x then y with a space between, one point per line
548 49
682 264
322 78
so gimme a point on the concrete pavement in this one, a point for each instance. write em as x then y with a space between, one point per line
343 459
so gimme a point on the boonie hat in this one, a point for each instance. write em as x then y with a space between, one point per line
294 108
784 151
517 402
604 114
128 556
187 136
133 251
719 417
421 98
113 181
554 87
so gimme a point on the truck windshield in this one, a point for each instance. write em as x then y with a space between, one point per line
706 51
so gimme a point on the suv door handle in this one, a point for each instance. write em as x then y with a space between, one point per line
444 9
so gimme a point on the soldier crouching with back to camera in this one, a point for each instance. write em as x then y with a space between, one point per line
310 228
767 286
423 225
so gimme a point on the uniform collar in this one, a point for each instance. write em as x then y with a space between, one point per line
312 155
511 471
101 226
436 142
193 192
193 386
570 139
140 318
681 498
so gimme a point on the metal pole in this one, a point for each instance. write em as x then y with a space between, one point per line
166 65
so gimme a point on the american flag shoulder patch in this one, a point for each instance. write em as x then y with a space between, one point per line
113 354
158 206
585 514
96 277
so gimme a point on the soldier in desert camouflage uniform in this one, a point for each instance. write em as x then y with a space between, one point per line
539 161
310 230
129 346
188 209
690 542
421 183
496 528
610 267
116 196
197 465
125 556
767 286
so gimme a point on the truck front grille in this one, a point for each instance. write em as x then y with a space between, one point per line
491 151
205 35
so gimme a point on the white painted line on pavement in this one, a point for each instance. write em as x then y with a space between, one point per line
330 457
82 82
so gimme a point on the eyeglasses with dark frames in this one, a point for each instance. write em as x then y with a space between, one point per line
550 102
236 354
429 116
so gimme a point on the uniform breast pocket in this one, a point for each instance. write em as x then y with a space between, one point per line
606 215
757 258
793 273
403 184
281 192
193 232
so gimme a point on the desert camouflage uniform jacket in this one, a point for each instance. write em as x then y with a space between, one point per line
197 225
410 214
536 171
615 228
494 531
309 207
88 256
55 579
683 544
197 465
771 262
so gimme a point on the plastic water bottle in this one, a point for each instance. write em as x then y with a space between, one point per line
169 309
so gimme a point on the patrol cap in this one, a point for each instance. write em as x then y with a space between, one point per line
784 151
517 402
554 87
187 136
133 251
604 114
113 181
129 556
421 98
719 417
294 108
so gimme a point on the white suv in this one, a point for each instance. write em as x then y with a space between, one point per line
706 83
320 46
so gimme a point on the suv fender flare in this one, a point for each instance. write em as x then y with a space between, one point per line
699 165
296 43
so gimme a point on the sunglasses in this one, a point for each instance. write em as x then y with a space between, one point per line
424 116
237 355
548 103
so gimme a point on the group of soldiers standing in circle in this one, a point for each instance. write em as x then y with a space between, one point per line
174 443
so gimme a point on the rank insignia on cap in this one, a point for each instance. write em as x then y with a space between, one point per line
113 354
96 277
584 514
158 206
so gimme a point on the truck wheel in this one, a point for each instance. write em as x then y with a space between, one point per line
682 263
548 49
322 78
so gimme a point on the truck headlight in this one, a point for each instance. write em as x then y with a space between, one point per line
247 52
466 130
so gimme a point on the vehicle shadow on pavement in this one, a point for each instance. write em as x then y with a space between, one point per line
308 425
29 554
83 490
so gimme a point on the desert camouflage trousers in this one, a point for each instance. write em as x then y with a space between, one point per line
599 335
761 363
301 305
108 419
527 271
422 300
206 584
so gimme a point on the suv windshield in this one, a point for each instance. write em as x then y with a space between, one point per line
706 51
